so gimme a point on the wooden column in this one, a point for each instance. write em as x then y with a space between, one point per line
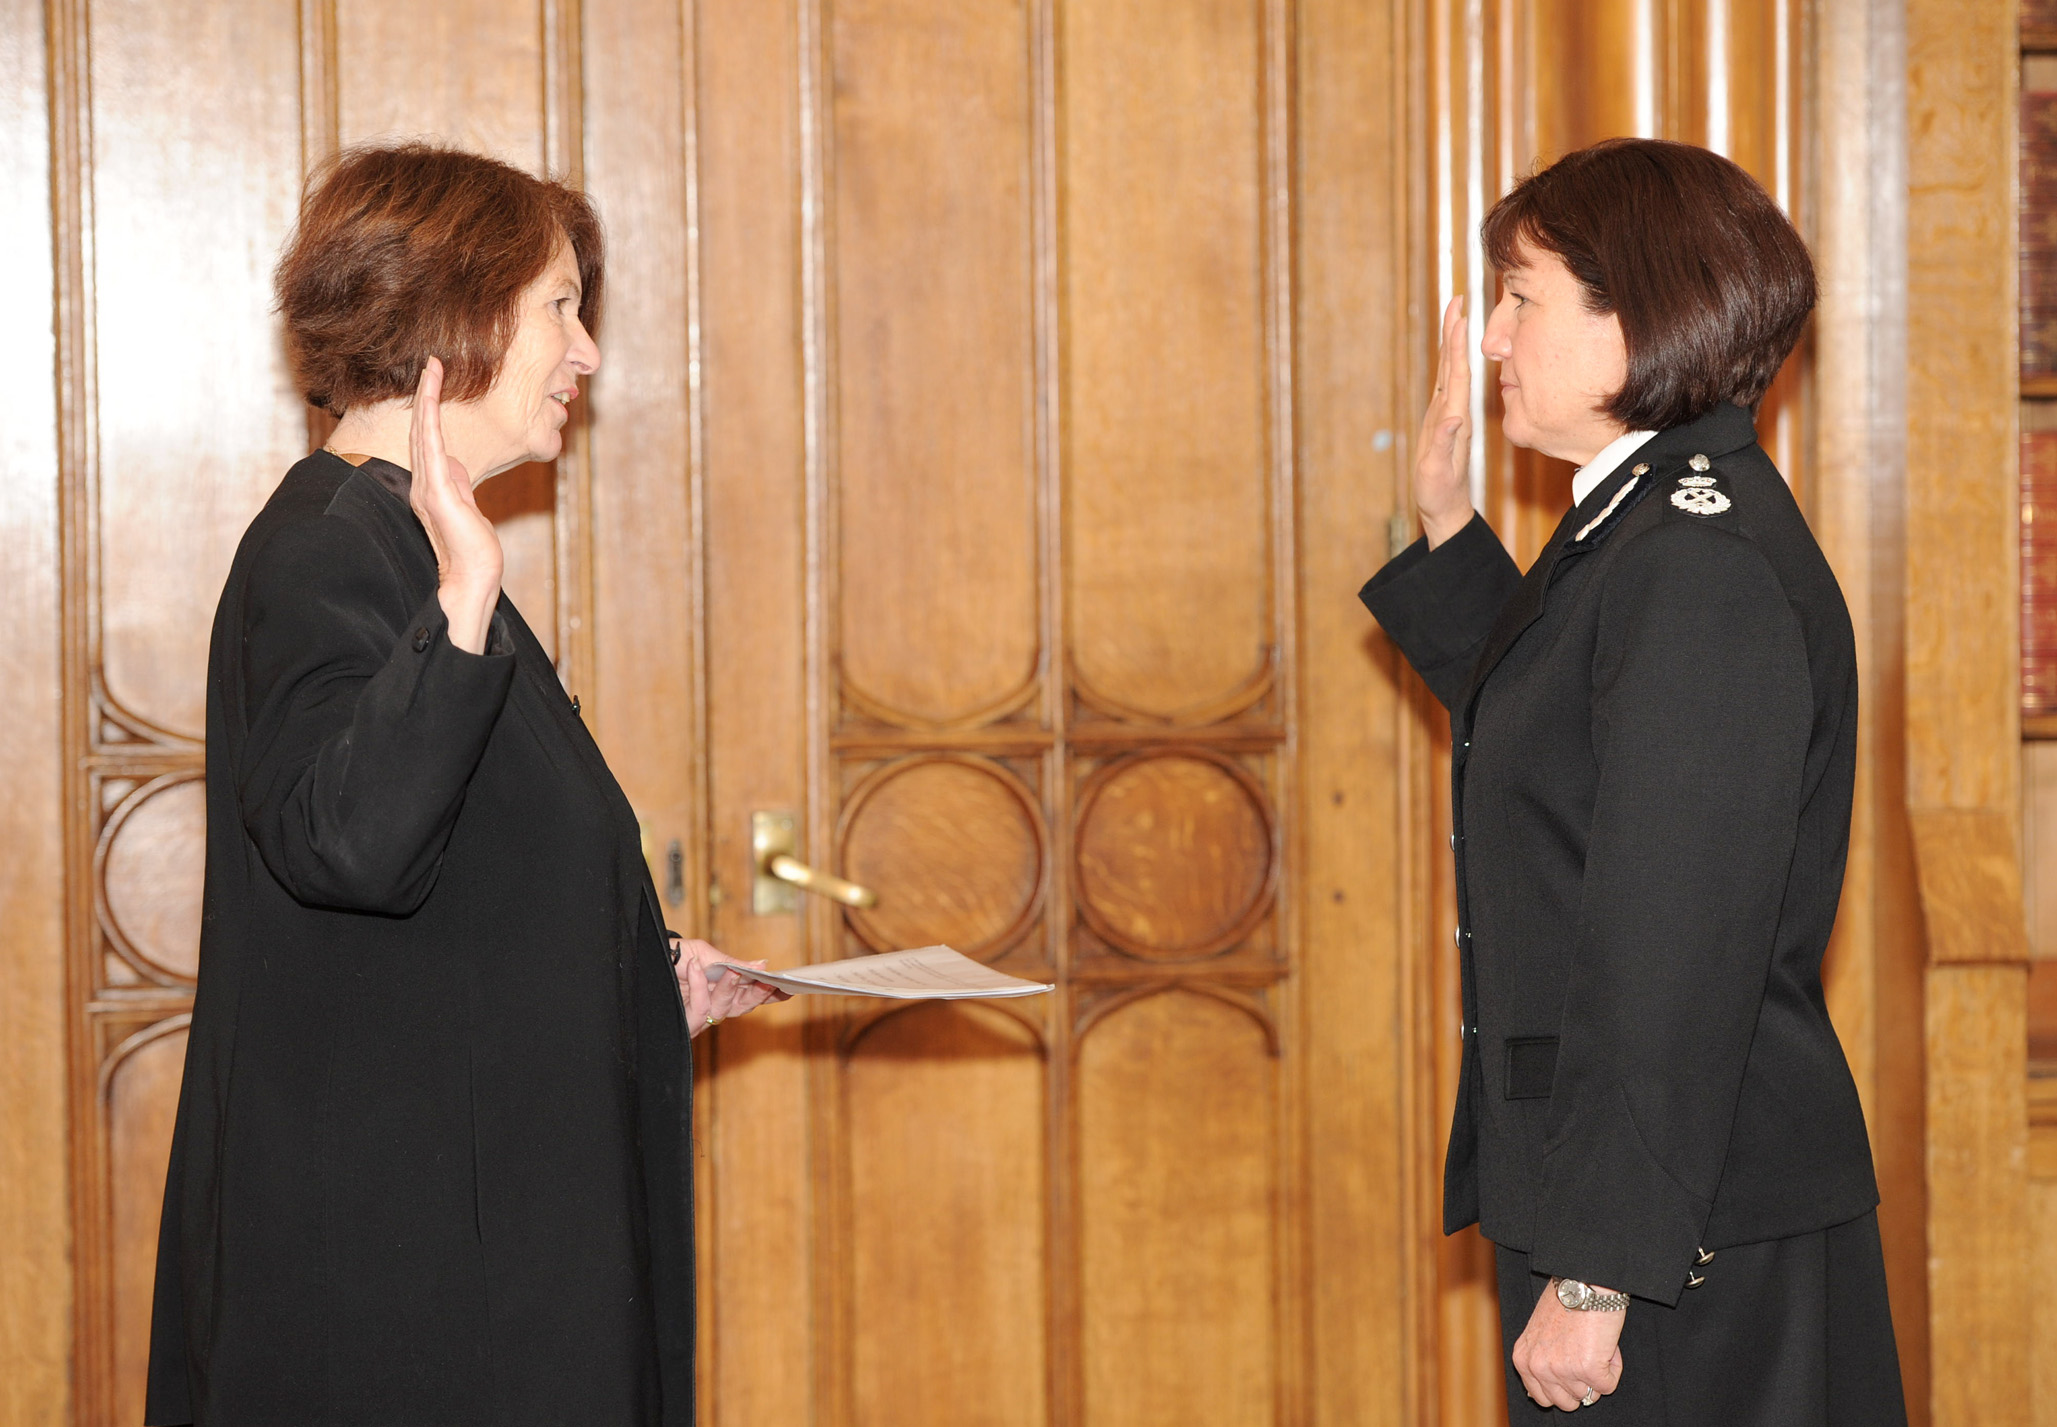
1963 752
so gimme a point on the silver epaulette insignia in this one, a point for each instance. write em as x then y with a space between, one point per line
1698 500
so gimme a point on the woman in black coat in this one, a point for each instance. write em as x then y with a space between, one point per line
432 1162
1653 751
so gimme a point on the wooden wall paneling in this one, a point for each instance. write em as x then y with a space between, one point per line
1178 1079
932 294
1166 411
947 1163
159 467
1963 759
2042 1230
1373 1118
1854 500
1178 436
648 695
399 76
928 657
36 1288
761 1344
1978 1195
141 1090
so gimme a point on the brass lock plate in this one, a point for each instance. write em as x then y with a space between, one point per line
770 835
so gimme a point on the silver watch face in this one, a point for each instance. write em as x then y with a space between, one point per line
1571 1293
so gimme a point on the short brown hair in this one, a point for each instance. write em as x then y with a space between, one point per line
1710 282
409 251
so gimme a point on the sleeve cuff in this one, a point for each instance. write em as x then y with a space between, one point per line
1609 1213
1438 606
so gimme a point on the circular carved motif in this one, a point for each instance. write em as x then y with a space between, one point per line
953 845
1174 853
151 862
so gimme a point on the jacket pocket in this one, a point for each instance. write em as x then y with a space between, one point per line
1531 1067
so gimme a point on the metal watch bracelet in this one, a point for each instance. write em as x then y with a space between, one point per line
1584 1298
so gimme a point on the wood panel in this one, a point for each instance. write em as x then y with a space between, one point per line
1962 718
645 699
1978 1195
141 1087
1876 963
1177 1182
938 595
2042 1231
1093 791
1167 402
36 1290
157 478
764 1346
1370 1197
929 1187
174 487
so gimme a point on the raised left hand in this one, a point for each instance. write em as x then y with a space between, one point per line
1561 1355
711 1002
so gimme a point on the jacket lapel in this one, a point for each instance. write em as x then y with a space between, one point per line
1723 430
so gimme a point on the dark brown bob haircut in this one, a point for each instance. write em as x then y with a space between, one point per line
1710 282
409 251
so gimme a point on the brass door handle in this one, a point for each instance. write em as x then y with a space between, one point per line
780 875
788 868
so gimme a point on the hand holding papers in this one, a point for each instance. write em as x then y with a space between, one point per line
929 973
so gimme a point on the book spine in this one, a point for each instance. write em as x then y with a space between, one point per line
2038 572
2038 233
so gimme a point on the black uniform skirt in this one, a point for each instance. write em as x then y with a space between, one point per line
1790 1333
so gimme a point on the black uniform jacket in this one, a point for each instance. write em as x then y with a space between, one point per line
1653 747
431 1165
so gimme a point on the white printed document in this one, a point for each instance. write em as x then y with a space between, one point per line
928 973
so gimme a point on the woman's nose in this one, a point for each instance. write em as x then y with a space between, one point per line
1496 343
585 352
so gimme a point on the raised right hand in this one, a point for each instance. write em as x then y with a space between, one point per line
469 561
1442 453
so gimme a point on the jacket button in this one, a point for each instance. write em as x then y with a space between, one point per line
574 703
421 640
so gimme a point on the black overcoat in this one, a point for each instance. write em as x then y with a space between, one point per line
431 1164
1653 749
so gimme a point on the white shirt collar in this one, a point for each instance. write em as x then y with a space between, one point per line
1605 464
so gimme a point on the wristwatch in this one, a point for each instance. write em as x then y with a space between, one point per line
1584 1298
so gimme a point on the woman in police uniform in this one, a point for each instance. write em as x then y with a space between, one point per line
1654 744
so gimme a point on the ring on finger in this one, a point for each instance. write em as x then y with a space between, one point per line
1589 1399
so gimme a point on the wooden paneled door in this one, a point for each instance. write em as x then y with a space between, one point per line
1047 434
1002 401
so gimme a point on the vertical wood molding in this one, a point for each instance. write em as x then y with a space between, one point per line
320 130
71 185
319 125
1874 972
1963 752
564 149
